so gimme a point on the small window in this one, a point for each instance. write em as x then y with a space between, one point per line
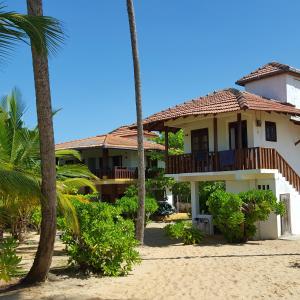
271 132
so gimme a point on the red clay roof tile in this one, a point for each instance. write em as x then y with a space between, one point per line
270 69
227 100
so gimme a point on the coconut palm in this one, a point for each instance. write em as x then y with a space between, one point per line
140 132
44 34
43 257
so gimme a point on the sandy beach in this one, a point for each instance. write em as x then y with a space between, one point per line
213 270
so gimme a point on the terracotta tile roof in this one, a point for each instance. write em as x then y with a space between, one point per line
110 140
227 100
270 69
126 131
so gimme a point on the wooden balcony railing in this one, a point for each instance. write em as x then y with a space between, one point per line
239 159
116 173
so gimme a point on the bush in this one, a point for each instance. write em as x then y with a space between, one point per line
9 261
129 207
236 214
184 231
206 188
106 243
226 209
257 206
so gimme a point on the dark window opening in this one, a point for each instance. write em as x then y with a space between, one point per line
233 135
271 131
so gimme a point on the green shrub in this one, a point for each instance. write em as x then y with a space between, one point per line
9 261
129 207
226 209
184 231
236 214
206 188
106 243
257 206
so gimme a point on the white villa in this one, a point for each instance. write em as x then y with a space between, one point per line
249 139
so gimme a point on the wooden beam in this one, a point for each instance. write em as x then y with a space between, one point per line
105 161
239 131
215 134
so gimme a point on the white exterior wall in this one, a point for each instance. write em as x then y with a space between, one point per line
284 87
271 87
287 134
129 157
193 123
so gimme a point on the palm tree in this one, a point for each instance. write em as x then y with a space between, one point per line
45 34
43 258
140 133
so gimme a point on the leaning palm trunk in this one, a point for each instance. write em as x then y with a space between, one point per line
43 258
138 98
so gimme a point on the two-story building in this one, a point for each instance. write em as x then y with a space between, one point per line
113 158
250 139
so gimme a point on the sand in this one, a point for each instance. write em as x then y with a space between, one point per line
213 270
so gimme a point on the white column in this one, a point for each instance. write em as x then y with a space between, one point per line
195 199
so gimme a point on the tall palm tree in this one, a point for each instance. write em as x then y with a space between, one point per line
139 116
43 258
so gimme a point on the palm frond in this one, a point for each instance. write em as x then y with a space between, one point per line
68 210
73 185
68 153
45 33
74 171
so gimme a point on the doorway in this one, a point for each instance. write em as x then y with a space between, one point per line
285 219
233 135
199 141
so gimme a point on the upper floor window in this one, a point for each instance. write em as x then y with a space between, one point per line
271 131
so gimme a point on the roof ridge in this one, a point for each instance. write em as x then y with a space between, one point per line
77 140
240 97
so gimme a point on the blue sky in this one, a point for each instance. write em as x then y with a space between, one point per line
187 49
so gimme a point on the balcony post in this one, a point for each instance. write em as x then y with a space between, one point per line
166 147
105 161
239 141
239 131
215 143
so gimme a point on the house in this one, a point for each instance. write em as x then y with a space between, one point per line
250 139
113 158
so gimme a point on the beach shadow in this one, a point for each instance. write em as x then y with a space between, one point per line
67 272
156 237
295 265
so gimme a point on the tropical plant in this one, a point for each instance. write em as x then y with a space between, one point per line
129 207
9 261
20 171
226 209
185 231
105 244
236 214
139 121
206 188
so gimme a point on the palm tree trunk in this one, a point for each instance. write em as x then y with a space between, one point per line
43 258
138 99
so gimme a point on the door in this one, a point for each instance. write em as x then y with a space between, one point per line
199 140
285 219
233 135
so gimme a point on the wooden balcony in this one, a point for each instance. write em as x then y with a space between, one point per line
239 159
116 173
